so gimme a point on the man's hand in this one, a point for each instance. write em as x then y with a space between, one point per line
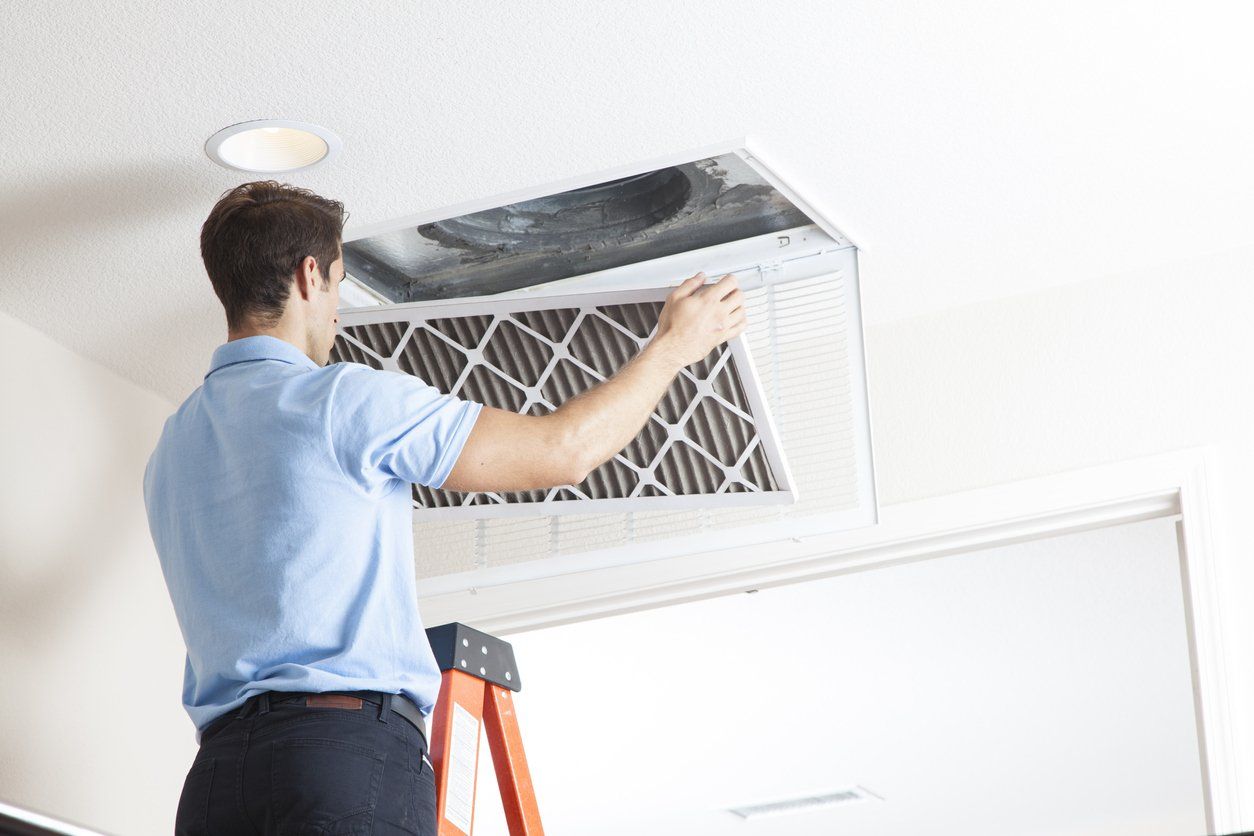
698 317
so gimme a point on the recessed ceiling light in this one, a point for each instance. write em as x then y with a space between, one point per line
272 145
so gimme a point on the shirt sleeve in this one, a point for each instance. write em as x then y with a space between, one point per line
388 425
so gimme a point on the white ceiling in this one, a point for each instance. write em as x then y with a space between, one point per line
1040 688
973 149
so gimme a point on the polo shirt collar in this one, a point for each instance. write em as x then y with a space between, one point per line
259 347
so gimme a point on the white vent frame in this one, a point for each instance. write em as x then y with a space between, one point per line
499 306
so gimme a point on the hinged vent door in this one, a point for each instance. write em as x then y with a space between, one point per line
801 373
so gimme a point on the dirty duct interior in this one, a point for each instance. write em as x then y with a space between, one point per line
701 440
624 221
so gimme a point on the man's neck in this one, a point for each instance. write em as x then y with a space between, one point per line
287 332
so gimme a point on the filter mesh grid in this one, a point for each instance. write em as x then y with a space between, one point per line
702 439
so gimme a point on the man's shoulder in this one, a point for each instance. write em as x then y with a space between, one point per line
358 377
354 387
189 404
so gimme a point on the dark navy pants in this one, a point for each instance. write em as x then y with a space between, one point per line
287 768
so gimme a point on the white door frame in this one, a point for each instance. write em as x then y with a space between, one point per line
513 599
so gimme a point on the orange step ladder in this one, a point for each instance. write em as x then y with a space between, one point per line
478 681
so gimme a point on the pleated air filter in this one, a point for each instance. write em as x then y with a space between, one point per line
709 442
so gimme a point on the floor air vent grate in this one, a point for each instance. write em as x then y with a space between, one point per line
710 441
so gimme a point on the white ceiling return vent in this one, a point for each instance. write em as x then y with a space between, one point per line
523 300
805 803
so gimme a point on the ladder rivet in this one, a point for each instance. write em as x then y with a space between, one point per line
482 672
465 643
484 650
508 677
463 663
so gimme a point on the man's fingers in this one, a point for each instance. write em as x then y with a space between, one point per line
687 286
724 290
720 288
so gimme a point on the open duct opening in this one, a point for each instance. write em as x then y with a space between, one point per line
600 214
659 213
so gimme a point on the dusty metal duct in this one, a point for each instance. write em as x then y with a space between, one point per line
710 441
627 220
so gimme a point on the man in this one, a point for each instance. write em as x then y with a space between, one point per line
279 502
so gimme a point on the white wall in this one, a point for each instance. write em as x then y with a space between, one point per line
1080 375
91 658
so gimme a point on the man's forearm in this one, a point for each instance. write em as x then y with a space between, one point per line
600 421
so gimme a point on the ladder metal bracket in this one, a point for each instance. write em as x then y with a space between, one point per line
461 648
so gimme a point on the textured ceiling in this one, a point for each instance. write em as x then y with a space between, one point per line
972 149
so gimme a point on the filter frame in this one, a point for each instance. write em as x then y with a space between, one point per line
489 504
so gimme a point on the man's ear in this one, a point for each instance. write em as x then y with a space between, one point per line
307 277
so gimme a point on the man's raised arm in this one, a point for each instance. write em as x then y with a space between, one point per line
510 452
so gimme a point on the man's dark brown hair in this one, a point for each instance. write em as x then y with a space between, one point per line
257 236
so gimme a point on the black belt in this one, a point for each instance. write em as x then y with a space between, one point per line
350 700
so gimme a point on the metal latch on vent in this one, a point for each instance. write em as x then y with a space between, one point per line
769 272
769 269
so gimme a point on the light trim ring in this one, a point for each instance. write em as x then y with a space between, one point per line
272 146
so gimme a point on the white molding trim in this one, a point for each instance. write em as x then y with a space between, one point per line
1200 576
1175 484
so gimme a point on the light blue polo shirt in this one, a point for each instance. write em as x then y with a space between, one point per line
279 502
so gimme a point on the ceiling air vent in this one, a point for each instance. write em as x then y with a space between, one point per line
805 803
709 439
522 300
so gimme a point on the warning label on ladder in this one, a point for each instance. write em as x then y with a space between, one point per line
463 752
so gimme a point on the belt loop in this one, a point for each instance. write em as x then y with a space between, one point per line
385 708
243 709
265 702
